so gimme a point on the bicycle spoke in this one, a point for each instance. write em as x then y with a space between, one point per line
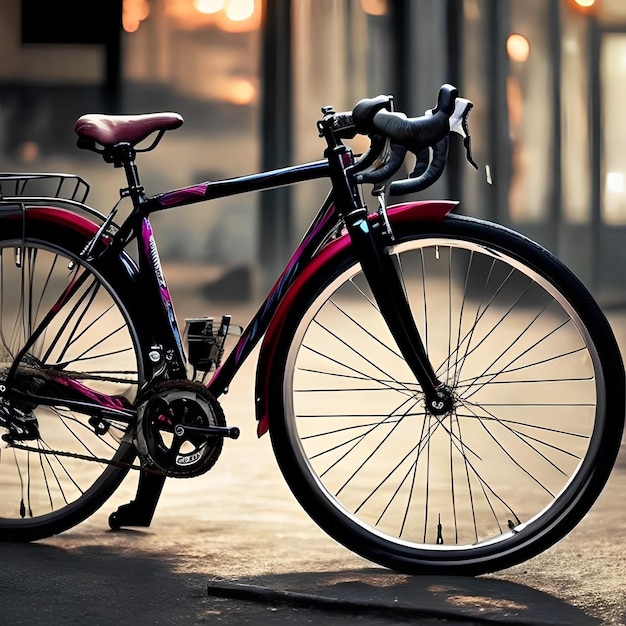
350 368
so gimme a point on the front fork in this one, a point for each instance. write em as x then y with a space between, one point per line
371 238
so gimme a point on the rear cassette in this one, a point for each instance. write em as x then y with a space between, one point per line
170 428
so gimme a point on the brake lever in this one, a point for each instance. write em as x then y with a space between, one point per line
459 124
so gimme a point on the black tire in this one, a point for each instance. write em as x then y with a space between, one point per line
66 475
539 403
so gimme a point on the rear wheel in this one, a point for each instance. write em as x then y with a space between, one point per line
536 419
69 462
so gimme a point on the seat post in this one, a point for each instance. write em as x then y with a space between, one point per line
124 155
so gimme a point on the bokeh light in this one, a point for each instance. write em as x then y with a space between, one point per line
518 47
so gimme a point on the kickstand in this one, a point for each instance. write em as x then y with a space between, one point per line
139 512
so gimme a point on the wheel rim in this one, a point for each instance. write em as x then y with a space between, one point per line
528 399
93 347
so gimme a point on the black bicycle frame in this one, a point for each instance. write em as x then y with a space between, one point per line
343 206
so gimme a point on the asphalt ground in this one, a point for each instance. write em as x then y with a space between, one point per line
233 547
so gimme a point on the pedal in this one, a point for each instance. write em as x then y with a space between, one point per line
205 342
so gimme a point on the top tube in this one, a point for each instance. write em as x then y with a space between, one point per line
241 184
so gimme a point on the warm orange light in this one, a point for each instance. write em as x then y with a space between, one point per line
240 10
208 7
233 16
130 24
517 47
240 91
240 16
133 13
374 7
586 7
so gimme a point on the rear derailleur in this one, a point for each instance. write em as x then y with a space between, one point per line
21 425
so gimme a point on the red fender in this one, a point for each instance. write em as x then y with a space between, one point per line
57 215
408 212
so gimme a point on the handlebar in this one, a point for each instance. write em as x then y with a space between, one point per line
427 137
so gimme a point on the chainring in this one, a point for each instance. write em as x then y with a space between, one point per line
167 405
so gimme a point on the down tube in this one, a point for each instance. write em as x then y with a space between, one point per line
320 229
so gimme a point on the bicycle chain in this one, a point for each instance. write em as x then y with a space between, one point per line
83 457
51 374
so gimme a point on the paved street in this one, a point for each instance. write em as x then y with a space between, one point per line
233 547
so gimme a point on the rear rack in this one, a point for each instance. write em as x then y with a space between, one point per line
39 186
68 191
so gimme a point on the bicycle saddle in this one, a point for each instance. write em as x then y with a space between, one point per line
108 130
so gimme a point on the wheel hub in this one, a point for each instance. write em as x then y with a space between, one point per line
442 403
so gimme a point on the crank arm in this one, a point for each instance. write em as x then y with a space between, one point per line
180 430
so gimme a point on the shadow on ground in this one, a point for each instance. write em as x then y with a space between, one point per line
89 584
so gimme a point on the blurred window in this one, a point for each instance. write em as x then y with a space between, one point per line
477 87
575 131
613 170
529 97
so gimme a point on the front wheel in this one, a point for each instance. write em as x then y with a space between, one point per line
535 424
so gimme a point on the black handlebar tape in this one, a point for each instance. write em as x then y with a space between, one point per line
416 133
364 111
419 132
392 165
430 176
422 162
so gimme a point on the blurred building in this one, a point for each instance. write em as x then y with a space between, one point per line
546 77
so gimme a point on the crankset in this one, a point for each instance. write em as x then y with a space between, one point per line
181 429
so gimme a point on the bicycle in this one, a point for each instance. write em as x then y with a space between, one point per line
442 394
